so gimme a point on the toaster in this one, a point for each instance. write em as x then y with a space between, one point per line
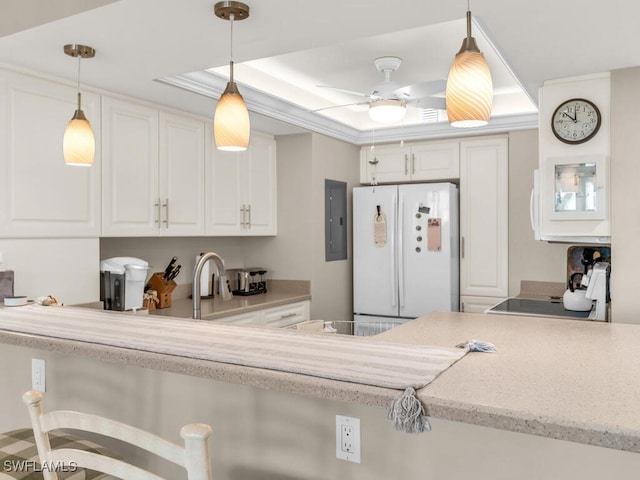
247 281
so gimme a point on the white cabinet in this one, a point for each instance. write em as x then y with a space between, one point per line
276 317
153 175
416 162
484 218
477 304
40 196
573 179
286 316
241 189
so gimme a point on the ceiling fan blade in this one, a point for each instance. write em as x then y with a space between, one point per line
421 90
437 103
338 106
350 92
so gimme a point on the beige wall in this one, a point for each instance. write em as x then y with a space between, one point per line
625 181
528 259
260 434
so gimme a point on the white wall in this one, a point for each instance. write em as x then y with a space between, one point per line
260 434
625 181
68 269
528 259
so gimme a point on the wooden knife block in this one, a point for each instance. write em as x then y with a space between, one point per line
163 288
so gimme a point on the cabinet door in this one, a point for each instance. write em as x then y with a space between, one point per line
484 217
260 186
393 164
225 212
435 161
477 304
131 200
40 196
285 316
181 175
250 318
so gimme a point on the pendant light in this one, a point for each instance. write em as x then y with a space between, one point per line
231 128
78 144
469 93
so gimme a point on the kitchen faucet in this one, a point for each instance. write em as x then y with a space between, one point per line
225 293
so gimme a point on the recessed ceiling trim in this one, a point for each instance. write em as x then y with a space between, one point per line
211 85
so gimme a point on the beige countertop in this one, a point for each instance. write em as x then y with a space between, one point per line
280 292
575 381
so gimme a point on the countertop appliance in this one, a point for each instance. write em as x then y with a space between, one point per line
122 281
536 308
248 281
405 253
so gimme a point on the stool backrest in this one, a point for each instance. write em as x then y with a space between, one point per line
193 456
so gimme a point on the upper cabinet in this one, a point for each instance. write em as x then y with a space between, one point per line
241 188
39 194
571 201
415 162
153 174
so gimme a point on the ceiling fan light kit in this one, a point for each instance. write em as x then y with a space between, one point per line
387 111
78 143
231 126
469 93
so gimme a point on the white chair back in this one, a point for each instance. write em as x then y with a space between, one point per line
194 456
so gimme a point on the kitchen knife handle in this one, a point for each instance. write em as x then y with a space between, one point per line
166 212
406 164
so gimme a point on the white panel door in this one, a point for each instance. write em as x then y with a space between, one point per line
393 164
260 186
435 161
181 171
39 194
131 200
375 283
484 217
428 274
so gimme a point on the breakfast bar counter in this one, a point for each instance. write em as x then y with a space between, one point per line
563 379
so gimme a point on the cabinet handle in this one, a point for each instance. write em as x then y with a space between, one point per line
413 164
287 315
406 164
242 218
249 215
462 306
166 212
157 205
461 247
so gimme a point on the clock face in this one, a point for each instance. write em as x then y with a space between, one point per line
576 121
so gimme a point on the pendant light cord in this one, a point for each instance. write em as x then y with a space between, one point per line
231 18
79 58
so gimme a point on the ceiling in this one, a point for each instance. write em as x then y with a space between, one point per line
285 49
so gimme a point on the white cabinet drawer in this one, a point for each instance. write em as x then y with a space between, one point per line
285 316
249 318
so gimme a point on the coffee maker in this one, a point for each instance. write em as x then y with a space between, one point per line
598 291
122 281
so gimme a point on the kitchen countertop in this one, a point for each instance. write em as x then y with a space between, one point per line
279 293
562 379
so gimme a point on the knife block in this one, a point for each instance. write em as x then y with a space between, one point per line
164 289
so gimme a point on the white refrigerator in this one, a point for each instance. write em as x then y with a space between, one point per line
405 253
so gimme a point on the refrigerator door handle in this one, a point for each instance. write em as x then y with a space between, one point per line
392 250
400 223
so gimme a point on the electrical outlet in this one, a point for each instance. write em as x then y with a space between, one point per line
348 438
38 375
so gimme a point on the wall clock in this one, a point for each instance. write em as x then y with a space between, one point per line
576 121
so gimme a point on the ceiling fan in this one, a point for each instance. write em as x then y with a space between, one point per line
388 100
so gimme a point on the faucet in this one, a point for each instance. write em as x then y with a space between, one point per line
225 293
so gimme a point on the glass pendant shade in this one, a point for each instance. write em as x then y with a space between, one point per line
387 111
231 127
469 94
78 144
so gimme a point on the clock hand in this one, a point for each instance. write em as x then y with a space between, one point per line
566 113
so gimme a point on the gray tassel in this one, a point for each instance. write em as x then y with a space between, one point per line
407 413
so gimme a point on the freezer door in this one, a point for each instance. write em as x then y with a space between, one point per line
428 275
375 287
